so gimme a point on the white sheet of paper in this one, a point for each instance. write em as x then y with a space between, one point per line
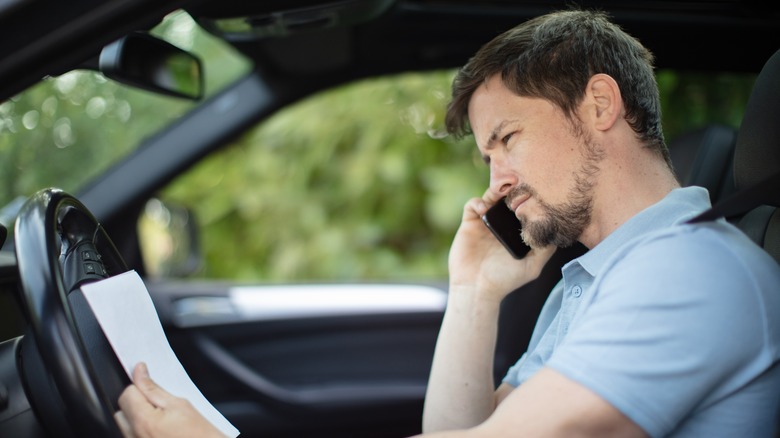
127 315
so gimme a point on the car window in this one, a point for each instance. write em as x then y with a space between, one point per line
692 99
356 183
70 128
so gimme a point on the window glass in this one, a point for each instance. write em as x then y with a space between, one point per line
693 99
68 129
357 183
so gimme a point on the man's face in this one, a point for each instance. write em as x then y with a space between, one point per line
545 169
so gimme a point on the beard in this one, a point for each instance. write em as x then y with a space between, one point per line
562 224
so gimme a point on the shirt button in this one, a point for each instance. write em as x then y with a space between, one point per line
576 291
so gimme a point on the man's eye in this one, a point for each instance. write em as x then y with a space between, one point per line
506 138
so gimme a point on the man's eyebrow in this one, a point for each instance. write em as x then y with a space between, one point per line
491 141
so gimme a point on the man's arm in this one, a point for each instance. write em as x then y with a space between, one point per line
551 405
461 390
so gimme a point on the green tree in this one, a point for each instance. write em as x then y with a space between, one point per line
354 183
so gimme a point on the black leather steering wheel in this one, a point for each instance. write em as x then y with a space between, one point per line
60 246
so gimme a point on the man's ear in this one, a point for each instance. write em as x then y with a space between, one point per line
607 103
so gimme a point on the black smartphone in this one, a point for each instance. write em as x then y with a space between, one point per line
506 227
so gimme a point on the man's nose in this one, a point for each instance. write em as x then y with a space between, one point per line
501 180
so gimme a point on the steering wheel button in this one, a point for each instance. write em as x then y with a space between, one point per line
87 255
90 268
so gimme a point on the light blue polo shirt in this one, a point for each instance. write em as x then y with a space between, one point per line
676 325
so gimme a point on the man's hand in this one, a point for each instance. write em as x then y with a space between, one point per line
461 391
479 262
147 410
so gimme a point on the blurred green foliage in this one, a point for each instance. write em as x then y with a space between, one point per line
693 99
68 129
354 183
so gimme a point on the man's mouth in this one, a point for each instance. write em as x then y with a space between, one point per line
517 201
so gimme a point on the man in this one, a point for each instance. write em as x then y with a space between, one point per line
662 329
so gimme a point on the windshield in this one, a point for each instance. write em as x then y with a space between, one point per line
68 129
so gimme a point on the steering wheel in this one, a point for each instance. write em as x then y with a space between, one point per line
72 374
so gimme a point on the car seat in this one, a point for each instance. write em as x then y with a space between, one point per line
757 165
705 157
757 158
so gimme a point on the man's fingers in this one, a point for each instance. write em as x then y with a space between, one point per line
135 412
490 198
133 403
474 208
153 392
140 403
124 425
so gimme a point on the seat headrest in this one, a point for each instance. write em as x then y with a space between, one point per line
705 157
757 155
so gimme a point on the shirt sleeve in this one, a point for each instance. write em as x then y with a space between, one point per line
535 356
673 322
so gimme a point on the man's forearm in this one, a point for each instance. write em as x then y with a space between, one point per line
461 387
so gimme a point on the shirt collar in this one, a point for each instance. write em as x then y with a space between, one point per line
678 206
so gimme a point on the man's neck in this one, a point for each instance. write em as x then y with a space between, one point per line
622 192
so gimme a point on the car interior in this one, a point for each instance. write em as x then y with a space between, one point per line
757 160
276 359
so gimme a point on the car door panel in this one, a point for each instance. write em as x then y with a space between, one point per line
280 360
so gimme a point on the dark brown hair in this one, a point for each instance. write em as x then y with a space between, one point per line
553 57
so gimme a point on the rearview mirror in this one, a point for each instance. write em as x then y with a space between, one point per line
144 61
